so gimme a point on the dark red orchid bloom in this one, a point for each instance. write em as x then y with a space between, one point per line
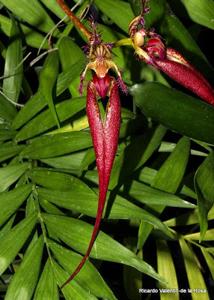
104 131
149 47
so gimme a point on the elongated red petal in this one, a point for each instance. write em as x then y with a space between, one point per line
184 73
105 136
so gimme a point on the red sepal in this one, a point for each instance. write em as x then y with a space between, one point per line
185 74
105 134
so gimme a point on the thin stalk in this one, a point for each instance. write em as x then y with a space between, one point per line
76 21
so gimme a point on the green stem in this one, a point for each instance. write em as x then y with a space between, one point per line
123 42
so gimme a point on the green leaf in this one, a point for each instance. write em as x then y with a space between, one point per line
209 260
11 201
118 11
200 11
157 10
47 286
58 144
89 277
9 150
13 69
166 269
31 12
66 77
70 230
24 281
175 110
72 290
151 196
56 9
32 37
6 134
147 175
169 147
132 279
197 236
9 174
180 38
70 54
168 179
204 179
50 208
87 204
174 166
71 193
57 181
72 162
6 228
136 6
193 270
34 105
189 218
47 82
45 120
7 109
143 147
14 240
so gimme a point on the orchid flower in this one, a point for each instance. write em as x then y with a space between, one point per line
150 48
104 131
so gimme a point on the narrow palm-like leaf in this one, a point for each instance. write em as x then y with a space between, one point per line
200 11
143 147
69 230
70 54
67 189
24 281
14 240
151 196
6 228
31 108
9 150
204 179
31 12
45 120
48 77
72 290
121 209
72 162
197 236
166 268
7 109
47 286
13 69
55 145
10 201
9 174
6 134
193 270
111 8
209 260
89 277
168 179
32 37
173 28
